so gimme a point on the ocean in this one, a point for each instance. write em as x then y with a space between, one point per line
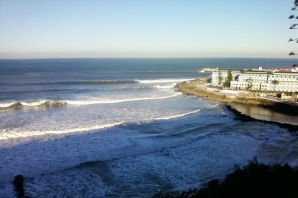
120 127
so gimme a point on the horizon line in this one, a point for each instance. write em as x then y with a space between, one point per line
145 58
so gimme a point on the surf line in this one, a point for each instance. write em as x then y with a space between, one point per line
66 131
175 116
162 81
214 106
74 102
33 104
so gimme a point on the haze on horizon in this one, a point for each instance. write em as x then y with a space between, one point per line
145 29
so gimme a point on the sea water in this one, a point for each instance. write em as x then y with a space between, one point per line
120 128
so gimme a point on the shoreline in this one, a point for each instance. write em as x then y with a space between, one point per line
246 118
198 87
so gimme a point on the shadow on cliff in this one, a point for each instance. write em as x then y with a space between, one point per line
283 107
246 118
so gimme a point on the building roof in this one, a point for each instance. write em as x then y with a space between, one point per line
255 72
227 69
289 73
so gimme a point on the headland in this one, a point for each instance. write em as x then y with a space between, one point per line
198 87
280 110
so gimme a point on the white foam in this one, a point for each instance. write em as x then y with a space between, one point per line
12 134
135 158
163 81
33 104
89 102
214 106
164 86
5 105
176 116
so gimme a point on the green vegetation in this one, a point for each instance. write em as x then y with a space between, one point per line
219 77
227 83
254 180
275 82
249 83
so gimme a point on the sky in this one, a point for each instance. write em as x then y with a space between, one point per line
146 28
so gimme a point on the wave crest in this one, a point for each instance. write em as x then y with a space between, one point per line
64 131
58 103
43 103
176 116
89 102
90 82
163 81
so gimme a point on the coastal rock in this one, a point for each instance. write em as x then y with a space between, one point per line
199 88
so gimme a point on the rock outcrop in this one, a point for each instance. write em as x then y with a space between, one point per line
198 88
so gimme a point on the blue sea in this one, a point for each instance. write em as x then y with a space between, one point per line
120 128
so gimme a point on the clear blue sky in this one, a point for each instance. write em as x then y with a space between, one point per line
145 28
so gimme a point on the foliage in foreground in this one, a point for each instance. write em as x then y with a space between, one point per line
253 180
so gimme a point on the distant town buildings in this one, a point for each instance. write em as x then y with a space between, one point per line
278 80
282 82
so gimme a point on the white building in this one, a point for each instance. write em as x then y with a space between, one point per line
257 80
219 76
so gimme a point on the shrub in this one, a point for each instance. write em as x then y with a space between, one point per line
253 180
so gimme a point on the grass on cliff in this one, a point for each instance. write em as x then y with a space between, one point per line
254 180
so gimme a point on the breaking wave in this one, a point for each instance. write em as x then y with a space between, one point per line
169 86
101 82
59 103
95 82
163 81
9 135
25 133
176 116
43 103
89 102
